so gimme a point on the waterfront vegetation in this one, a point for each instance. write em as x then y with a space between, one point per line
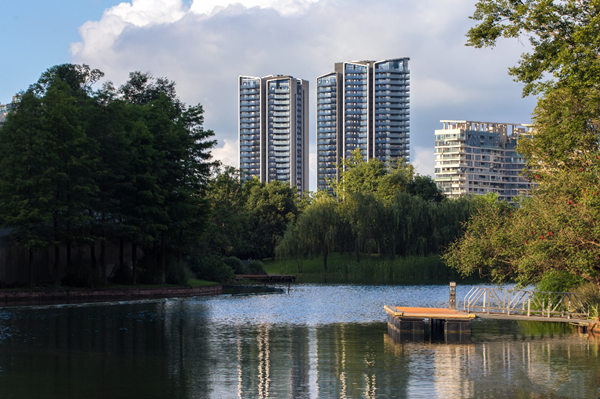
131 166
552 238
372 269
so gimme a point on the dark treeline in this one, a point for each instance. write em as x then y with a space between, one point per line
126 165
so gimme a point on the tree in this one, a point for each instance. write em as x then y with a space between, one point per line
563 35
314 233
557 228
228 225
81 166
26 185
271 207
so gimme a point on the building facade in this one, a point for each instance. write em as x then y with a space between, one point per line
474 158
365 105
273 129
6 108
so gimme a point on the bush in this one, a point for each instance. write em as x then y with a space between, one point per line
177 273
591 295
211 268
236 264
558 281
257 267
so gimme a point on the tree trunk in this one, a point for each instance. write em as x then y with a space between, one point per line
30 261
180 248
121 252
69 259
133 263
94 263
57 277
103 261
325 253
162 258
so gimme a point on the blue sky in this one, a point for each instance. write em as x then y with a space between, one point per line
203 45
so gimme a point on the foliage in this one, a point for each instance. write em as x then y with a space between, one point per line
562 34
256 267
558 281
378 209
556 230
371 269
236 265
271 207
210 268
80 167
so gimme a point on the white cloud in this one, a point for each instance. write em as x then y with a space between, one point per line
227 154
424 161
205 47
285 7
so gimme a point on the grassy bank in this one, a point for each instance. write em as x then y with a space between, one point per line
369 268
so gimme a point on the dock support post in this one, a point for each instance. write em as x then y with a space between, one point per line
452 295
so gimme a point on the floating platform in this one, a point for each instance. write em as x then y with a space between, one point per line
267 278
409 323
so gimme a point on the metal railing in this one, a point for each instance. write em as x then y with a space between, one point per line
526 302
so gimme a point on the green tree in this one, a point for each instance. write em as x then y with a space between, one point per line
563 37
314 233
228 225
271 208
26 185
556 230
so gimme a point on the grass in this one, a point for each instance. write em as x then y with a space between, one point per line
369 268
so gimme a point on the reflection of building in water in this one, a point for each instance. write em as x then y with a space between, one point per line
450 363
350 364
274 363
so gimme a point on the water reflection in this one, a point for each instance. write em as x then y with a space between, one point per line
317 342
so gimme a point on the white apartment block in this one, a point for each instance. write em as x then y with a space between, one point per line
365 105
273 129
474 158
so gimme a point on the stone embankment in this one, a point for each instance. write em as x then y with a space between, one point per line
40 296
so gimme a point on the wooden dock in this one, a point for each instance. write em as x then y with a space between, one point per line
267 278
409 322
488 303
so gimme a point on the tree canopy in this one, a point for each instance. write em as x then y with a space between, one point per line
80 166
557 228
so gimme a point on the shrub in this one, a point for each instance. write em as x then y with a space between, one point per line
236 264
558 281
211 268
178 273
257 267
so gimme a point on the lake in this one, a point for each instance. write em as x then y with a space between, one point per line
317 341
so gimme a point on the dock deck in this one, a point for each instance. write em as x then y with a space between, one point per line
267 278
427 313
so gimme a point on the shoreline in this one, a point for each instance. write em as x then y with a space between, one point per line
78 295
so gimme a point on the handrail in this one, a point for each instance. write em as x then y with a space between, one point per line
526 302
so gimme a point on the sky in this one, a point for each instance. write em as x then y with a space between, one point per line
204 45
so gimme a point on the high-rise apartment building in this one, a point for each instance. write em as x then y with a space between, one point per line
480 157
273 129
365 105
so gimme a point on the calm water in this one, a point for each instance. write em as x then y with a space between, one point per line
318 341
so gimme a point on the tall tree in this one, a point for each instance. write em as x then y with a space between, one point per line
557 228
26 187
272 207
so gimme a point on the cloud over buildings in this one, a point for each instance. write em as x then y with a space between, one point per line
205 45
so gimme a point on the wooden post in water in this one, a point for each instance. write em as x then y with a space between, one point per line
452 295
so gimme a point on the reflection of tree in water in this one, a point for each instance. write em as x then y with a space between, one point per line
520 366
93 351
